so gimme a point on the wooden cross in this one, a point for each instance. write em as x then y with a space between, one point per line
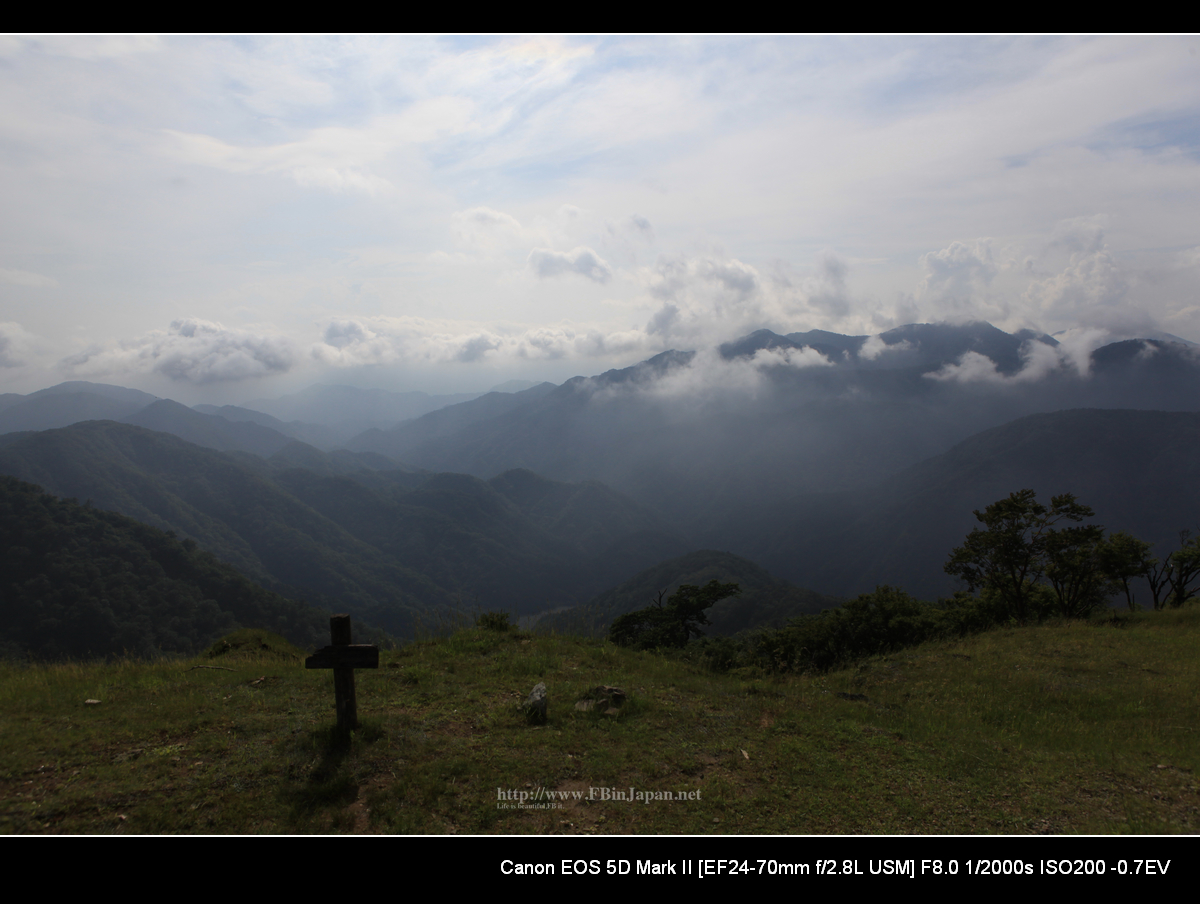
344 657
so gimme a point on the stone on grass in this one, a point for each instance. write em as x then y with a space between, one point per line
535 705
608 699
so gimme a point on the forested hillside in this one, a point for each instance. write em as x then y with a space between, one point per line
78 582
397 546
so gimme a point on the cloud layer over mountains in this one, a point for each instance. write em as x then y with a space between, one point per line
227 217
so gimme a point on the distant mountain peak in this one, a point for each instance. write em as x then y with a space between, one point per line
925 346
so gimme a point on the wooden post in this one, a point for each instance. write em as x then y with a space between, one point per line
344 657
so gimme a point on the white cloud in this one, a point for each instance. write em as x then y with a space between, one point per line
415 340
795 358
16 345
826 291
738 279
875 346
476 348
1089 284
334 158
95 47
1075 346
620 343
487 233
191 351
1038 360
1079 235
960 270
642 226
664 321
702 297
583 261
972 367
26 278
486 219
677 277
712 298
349 179
1063 278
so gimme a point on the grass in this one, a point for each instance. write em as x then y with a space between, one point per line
1068 728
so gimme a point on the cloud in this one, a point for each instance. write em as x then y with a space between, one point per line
740 280
875 346
474 348
486 228
1083 291
972 367
15 345
95 47
1063 276
678 277
642 226
564 342
414 340
959 271
664 320
712 298
584 261
826 291
348 179
402 340
795 358
1075 346
1038 360
26 278
595 343
1067 278
342 333
703 299
333 158
191 351
486 218
1079 235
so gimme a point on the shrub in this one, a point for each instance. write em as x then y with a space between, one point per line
672 625
493 621
880 622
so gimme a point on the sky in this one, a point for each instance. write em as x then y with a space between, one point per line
224 218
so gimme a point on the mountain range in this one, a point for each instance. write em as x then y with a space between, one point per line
833 462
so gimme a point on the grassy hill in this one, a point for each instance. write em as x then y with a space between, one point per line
1067 728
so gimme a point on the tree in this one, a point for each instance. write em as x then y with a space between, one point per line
1185 568
1171 580
1074 568
1012 554
674 624
1124 556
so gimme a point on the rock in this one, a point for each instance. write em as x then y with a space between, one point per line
603 697
535 705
